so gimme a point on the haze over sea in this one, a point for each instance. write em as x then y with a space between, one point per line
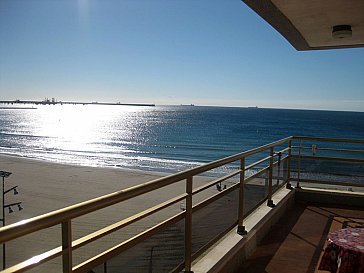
161 138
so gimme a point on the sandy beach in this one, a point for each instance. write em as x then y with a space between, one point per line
45 186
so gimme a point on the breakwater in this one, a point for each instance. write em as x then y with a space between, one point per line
52 102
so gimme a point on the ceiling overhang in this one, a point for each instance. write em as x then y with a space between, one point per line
308 25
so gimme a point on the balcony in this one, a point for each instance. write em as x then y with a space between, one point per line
297 241
210 222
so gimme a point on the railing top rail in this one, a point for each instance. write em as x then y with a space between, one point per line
325 139
52 218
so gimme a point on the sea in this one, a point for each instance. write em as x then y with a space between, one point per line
161 138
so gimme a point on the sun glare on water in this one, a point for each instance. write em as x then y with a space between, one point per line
81 127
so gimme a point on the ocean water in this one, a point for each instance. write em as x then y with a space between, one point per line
161 138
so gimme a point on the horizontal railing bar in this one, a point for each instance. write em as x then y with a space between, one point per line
116 250
214 182
302 147
125 222
50 219
341 150
246 153
266 158
230 159
314 181
211 199
328 149
285 150
226 191
257 162
247 180
34 261
231 188
214 197
355 160
324 139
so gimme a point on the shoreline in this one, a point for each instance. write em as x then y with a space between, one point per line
160 170
45 186
121 168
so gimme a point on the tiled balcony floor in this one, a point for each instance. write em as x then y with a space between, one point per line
296 242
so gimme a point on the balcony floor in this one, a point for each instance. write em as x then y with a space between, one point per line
296 242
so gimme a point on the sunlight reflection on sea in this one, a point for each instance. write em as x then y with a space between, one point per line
161 138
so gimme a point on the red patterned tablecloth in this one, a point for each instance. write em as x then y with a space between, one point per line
344 252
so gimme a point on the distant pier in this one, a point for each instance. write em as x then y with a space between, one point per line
52 102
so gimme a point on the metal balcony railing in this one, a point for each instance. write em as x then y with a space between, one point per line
206 211
327 161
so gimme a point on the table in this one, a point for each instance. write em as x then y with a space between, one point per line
344 252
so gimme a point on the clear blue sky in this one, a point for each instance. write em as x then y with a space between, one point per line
206 52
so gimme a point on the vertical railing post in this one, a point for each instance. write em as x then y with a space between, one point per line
288 184
299 165
188 225
241 227
270 178
67 246
3 220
